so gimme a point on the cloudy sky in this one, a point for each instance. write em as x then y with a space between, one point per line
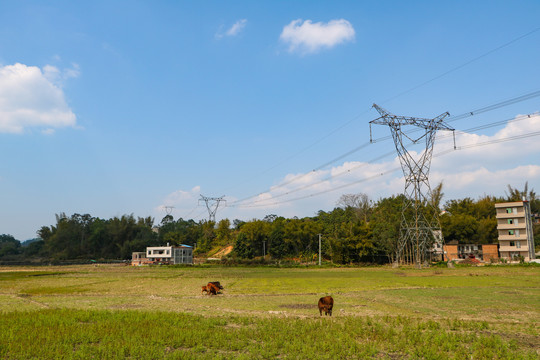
136 107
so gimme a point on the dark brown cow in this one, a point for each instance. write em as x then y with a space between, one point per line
204 289
326 304
212 289
217 284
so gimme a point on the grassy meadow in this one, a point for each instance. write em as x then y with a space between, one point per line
113 312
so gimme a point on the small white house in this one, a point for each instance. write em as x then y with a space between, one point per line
182 254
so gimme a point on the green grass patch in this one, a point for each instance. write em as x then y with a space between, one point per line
77 334
114 312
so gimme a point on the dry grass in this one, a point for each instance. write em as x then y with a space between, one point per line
501 303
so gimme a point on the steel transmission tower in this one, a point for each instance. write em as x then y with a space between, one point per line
212 205
419 218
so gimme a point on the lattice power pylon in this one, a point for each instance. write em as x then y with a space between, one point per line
419 218
212 205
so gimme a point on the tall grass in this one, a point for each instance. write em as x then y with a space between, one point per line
78 334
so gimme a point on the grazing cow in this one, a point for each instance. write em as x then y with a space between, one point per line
212 289
326 304
217 284
204 289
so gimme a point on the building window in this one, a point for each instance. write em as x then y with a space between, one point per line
510 221
167 252
508 210
518 244
510 232
512 243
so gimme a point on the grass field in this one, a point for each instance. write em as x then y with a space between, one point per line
108 312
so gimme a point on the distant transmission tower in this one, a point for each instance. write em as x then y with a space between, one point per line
212 205
419 218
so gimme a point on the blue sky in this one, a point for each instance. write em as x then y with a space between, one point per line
124 107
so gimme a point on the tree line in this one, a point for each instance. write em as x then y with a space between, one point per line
357 230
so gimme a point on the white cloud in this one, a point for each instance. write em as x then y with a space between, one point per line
30 97
234 30
178 197
237 27
307 37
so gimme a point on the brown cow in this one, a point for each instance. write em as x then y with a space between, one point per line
326 304
212 289
217 284
204 289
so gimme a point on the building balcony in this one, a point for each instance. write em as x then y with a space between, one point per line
513 237
513 249
506 226
518 215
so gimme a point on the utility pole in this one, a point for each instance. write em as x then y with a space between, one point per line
319 249
419 218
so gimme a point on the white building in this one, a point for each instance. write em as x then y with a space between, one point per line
182 254
514 225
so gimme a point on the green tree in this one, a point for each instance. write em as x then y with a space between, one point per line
360 203
242 247
224 233
256 231
276 242
460 227
9 245
386 222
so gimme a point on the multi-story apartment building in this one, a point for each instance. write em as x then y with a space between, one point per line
514 225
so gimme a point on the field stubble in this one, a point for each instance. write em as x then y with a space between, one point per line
488 312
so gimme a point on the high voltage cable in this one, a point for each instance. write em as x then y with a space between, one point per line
495 106
296 178
478 111
498 123
325 191
199 215
464 64
496 141
394 97
511 138
323 180
192 210
310 146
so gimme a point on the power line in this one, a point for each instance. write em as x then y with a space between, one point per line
498 123
490 142
495 106
464 64
191 212
496 141
325 191
323 180
383 102
467 114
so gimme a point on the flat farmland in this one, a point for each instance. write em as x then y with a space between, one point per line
111 311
